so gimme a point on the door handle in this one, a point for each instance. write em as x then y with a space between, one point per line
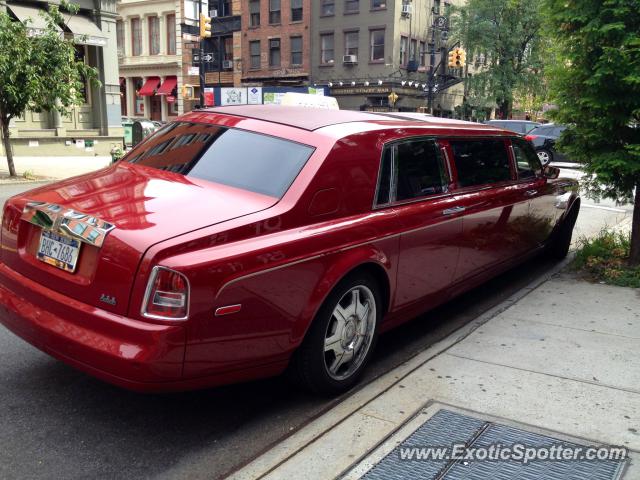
453 210
530 193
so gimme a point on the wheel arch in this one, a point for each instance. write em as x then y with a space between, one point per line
348 263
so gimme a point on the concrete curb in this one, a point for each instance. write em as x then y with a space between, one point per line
284 449
25 181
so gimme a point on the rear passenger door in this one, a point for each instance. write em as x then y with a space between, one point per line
537 191
419 192
493 209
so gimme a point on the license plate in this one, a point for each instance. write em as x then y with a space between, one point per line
59 251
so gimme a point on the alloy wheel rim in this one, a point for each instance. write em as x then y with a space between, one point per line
544 157
350 332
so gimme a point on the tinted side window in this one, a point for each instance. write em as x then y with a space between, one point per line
527 161
418 169
237 158
480 162
384 182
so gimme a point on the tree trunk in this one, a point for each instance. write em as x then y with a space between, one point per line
634 256
503 110
7 145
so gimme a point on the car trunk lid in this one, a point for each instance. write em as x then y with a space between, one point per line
114 215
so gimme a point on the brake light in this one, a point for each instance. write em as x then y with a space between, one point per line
167 295
530 137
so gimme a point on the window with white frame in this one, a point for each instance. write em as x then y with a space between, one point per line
296 10
403 50
327 55
327 8
351 43
377 45
191 8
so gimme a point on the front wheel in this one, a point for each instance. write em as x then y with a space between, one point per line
545 156
341 338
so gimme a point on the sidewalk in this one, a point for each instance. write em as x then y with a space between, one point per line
55 167
559 359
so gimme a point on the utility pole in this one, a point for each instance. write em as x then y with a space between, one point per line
431 79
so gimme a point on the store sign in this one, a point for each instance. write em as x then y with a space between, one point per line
359 90
171 99
254 95
272 98
208 97
233 96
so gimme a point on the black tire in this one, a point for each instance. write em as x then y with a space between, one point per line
559 245
309 365
543 152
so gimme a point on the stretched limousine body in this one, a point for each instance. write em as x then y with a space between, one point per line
239 241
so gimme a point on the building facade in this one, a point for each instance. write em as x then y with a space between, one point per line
223 51
94 127
159 47
149 54
376 54
276 42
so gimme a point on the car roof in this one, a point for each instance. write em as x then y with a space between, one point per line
497 120
300 117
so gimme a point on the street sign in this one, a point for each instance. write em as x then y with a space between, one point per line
208 58
442 22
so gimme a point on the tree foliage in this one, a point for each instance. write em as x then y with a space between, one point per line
595 84
38 72
505 35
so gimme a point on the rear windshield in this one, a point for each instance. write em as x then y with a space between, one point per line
238 158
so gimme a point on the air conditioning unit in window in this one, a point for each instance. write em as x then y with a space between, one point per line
406 9
274 43
227 64
213 13
347 59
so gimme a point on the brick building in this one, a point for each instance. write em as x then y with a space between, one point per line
156 42
276 42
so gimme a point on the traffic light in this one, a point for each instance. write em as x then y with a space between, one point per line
205 26
452 58
462 57
457 58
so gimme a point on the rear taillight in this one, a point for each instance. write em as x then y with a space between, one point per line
530 137
167 295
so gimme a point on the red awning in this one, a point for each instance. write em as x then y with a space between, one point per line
167 86
149 87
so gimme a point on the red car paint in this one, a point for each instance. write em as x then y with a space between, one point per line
260 267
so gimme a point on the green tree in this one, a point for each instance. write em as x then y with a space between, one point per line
596 87
506 35
38 72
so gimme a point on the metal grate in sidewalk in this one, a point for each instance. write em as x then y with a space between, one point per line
446 428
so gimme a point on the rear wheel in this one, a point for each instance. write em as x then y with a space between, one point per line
558 247
341 338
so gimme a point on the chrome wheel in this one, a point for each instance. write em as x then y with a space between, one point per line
350 332
544 157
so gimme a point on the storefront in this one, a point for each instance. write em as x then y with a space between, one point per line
96 122
379 98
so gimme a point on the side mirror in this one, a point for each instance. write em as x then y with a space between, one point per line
551 172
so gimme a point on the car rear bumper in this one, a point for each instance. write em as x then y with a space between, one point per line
129 353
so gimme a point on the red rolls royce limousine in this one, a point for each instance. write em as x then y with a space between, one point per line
240 242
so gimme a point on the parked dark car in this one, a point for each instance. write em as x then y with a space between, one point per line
519 126
543 139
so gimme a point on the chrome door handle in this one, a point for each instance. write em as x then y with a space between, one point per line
453 210
530 193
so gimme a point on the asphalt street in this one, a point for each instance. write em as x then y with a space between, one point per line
60 423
